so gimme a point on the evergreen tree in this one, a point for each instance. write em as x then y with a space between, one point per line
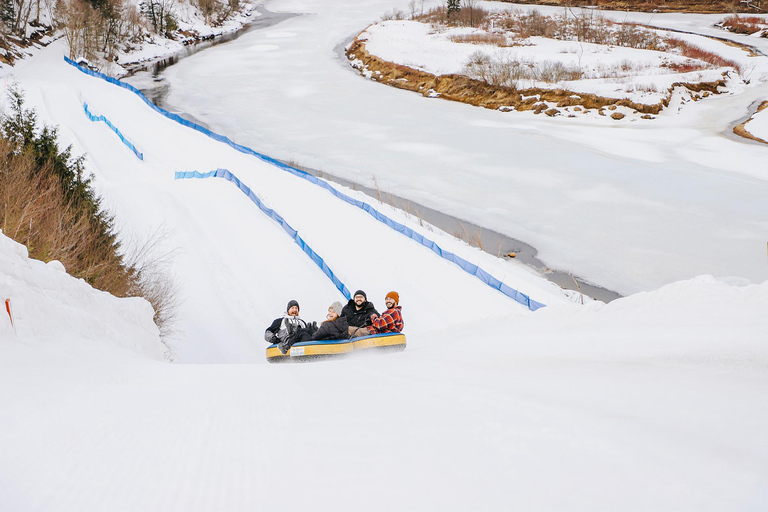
454 6
7 12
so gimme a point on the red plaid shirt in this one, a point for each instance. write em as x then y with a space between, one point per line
389 321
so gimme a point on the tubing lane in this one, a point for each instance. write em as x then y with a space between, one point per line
465 265
272 214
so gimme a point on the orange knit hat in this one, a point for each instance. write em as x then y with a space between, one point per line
395 296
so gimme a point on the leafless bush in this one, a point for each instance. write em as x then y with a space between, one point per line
696 52
153 280
98 33
552 71
508 71
81 24
160 15
393 14
743 24
469 15
216 12
480 38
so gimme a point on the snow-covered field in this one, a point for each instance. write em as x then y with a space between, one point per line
642 76
629 207
657 401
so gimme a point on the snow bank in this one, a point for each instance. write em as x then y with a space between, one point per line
50 306
758 124
644 76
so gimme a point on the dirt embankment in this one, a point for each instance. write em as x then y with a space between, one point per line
468 90
741 129
692 6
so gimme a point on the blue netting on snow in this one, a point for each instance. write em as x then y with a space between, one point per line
114 129
269 212
465 265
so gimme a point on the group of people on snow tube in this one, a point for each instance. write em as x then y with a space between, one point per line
358 318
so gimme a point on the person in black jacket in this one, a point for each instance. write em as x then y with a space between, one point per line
283 330
335 327
358 312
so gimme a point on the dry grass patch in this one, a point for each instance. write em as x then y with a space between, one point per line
743 24
481 38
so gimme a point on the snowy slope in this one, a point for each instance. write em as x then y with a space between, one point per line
654 402
236 267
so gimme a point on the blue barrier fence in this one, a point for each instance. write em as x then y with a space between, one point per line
269 212
465 265
114 129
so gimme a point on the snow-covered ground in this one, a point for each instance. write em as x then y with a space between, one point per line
642 76
654 402
658 401
629 207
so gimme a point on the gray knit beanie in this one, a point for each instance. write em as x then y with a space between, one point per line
336 307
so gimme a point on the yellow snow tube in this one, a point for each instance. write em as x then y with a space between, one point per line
387 342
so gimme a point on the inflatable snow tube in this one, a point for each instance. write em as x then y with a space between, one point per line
308 350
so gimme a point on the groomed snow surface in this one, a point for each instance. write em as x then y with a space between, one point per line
658 401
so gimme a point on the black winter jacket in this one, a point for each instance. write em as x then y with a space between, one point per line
335 330
361 317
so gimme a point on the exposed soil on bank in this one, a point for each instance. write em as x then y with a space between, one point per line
666 6
464 89
741 129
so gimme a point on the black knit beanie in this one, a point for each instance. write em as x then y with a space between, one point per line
291 304
361 292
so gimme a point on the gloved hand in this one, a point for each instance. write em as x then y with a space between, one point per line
270 337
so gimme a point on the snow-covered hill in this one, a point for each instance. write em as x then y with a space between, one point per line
50 310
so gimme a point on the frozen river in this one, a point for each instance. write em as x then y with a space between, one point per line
629 206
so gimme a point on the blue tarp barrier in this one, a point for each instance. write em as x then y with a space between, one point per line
462 263
114 129
223 173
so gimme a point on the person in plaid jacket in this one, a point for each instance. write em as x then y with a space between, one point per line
391 320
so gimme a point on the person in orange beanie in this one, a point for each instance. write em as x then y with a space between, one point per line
392 319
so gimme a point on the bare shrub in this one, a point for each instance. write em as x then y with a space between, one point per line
506 70
98 33
696 52
393 14
81 24
160 15
480 38
215 12
743 24
152 278
554 71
